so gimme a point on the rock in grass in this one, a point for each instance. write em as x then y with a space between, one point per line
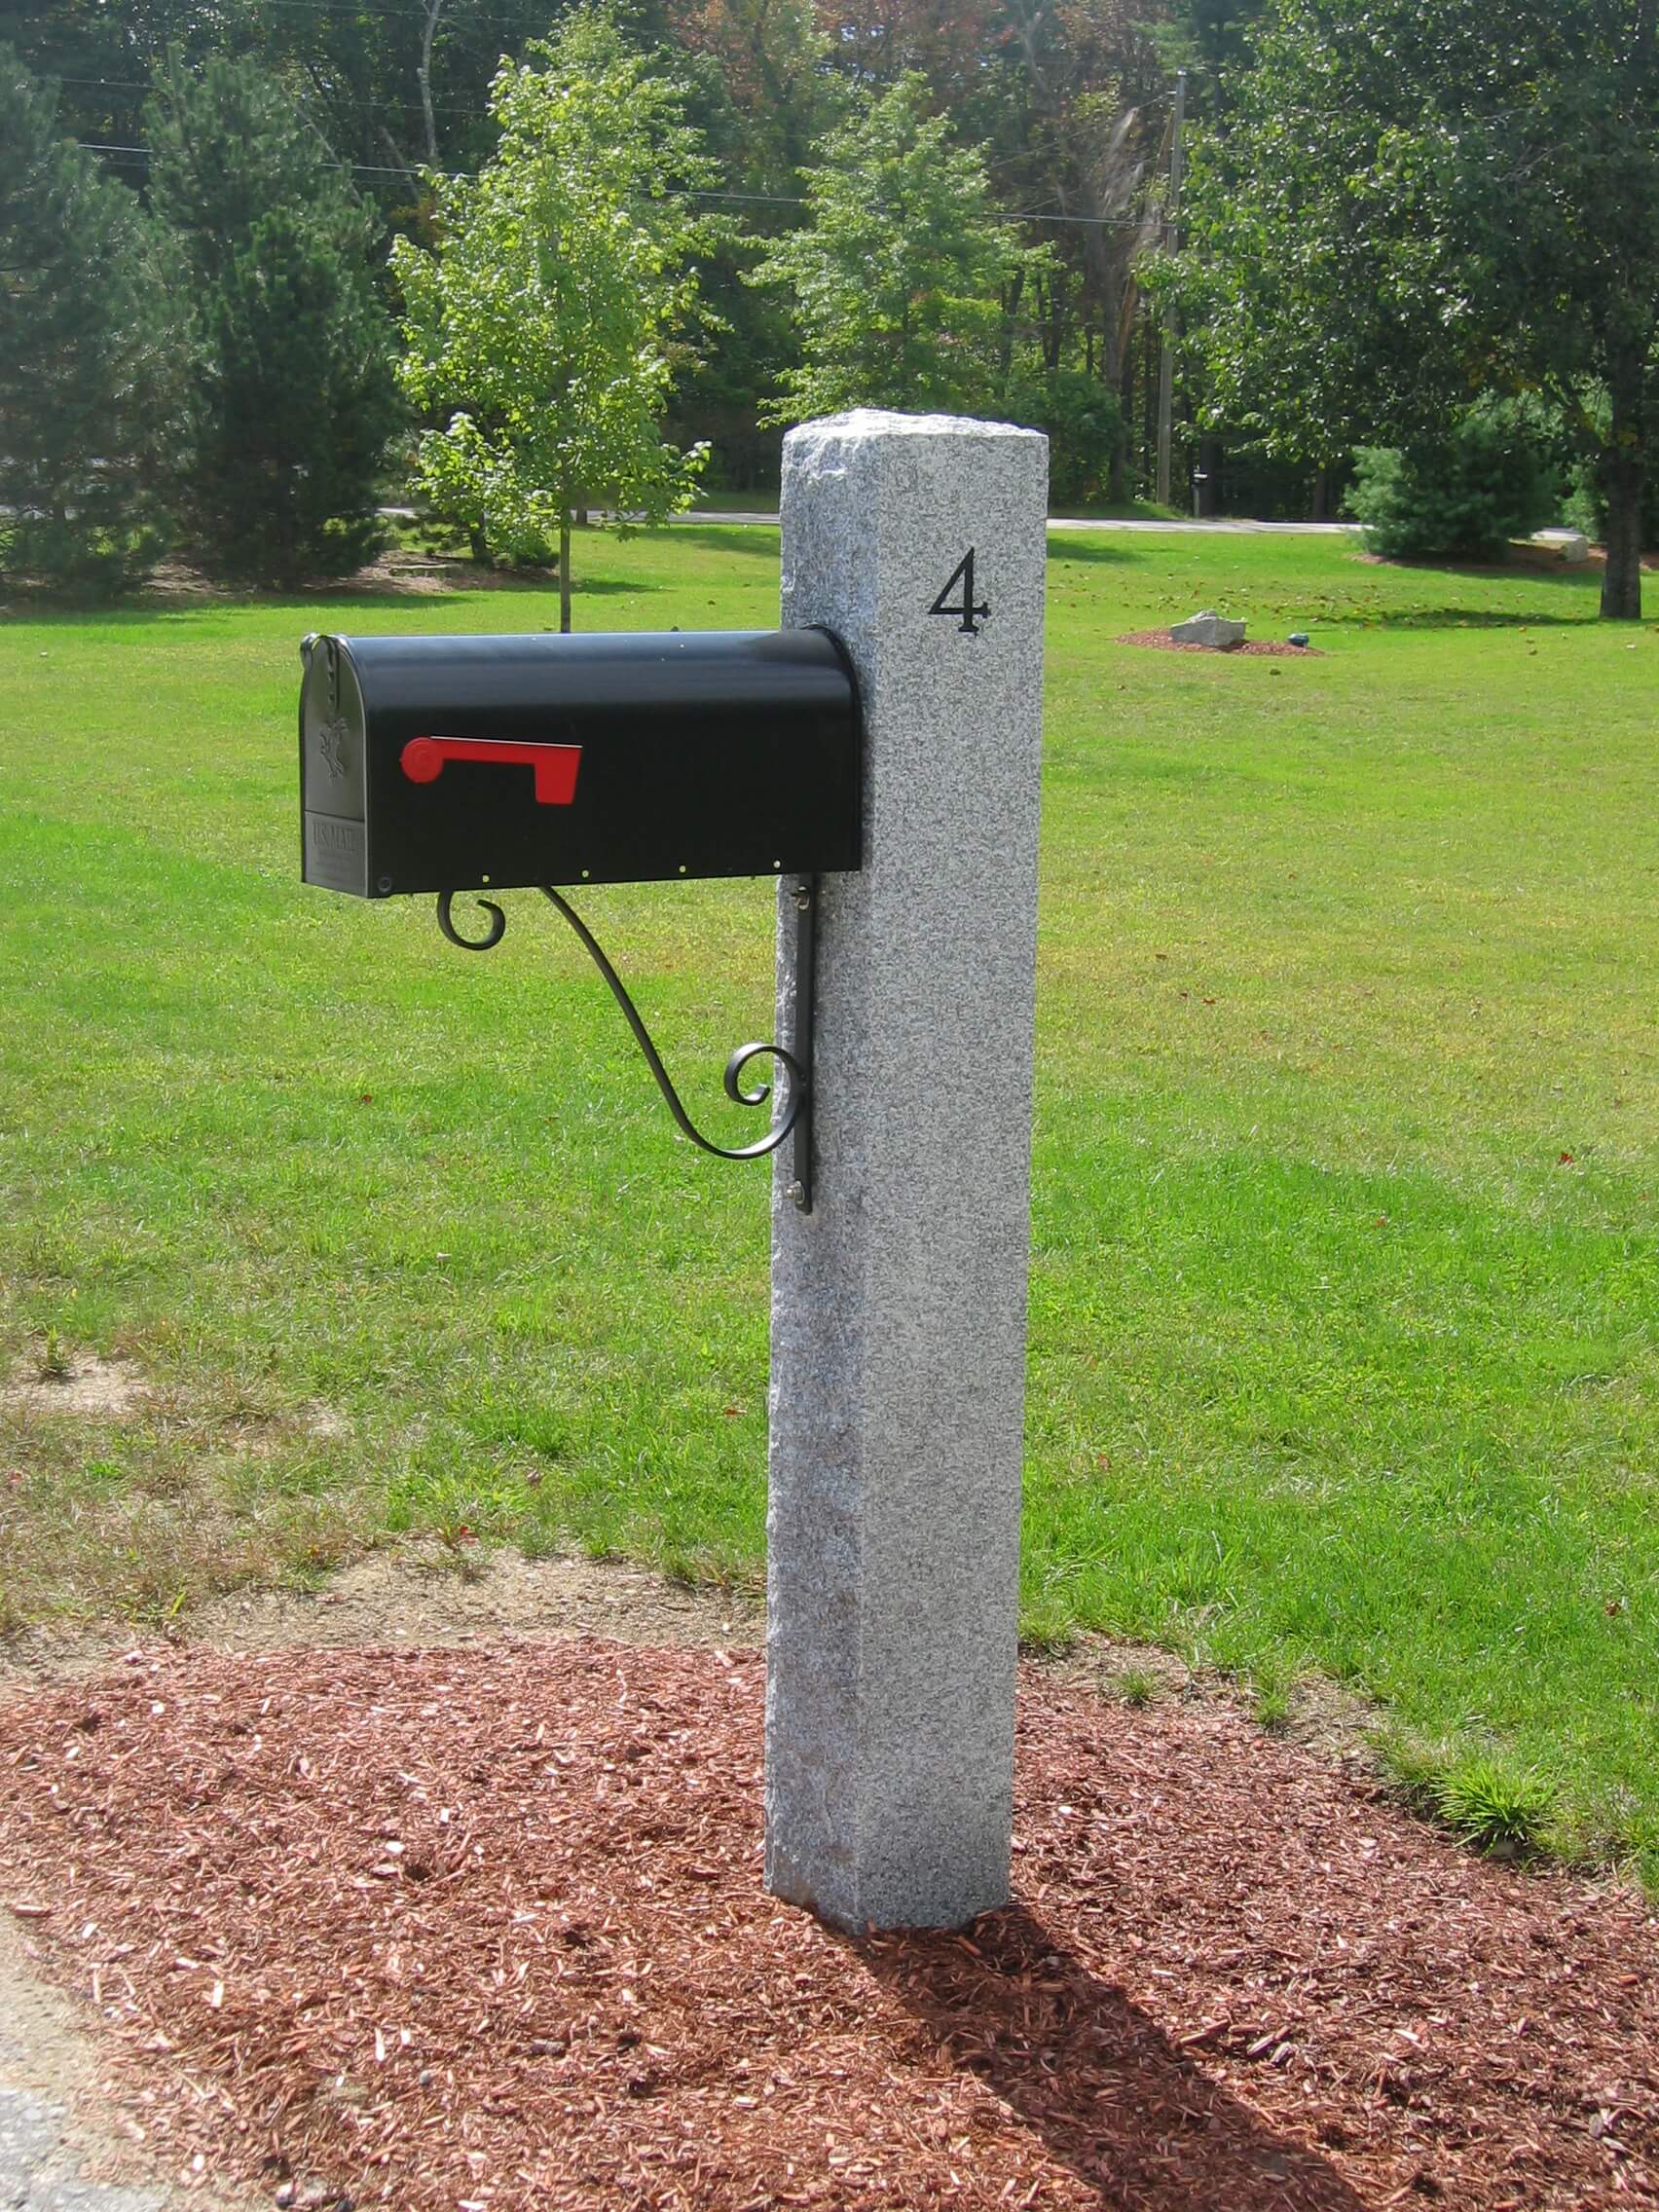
1569 546
1208 629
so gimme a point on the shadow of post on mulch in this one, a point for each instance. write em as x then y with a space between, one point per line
1103 2088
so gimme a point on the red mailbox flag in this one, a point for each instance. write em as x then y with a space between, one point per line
555 765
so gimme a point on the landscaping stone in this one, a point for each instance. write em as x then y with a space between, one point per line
1571 545
1208 629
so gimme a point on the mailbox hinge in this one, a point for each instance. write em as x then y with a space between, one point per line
795 1120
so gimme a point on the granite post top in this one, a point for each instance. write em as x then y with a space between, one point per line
888 423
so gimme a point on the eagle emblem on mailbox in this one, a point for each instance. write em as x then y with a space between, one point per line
331 744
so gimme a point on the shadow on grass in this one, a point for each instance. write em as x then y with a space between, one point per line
151 613
1467 618
1099 2084
1089 552
735 539
1582 586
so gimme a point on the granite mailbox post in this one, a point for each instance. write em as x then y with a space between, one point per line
879 755
899 1304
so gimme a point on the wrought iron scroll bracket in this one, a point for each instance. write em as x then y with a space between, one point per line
793 1120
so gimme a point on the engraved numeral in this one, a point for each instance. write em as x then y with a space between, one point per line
972 613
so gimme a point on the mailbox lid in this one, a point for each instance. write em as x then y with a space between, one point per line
686 753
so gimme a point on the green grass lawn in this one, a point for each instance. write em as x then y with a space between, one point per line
1345 1298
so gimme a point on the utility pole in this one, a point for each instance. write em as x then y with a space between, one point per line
423 76
1167 366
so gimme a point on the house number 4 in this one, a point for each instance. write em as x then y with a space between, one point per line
972 613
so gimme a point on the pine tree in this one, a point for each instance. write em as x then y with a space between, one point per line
90 365
294 401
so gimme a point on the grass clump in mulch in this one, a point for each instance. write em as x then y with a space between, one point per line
485 1929
1494 1808
1490 1804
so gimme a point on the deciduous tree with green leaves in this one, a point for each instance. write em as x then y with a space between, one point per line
90 360
542 334
1417 201
295 398
901 279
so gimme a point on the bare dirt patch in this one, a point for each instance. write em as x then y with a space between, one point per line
393 1600
412 1599
98 1389
395 575
484 1927
1257 649
1319 1714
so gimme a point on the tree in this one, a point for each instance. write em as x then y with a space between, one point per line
875 42
1413 206
1093 94
385 87
90 361
769 60
542 333
761 93
900 275
294 401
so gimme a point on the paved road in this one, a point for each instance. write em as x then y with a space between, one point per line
37 2168
1228 529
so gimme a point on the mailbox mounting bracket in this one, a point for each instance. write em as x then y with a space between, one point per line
794 1120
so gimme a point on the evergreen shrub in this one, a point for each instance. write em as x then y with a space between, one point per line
1460 496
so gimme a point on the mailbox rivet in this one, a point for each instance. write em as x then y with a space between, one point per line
795 1193
803 899
385 883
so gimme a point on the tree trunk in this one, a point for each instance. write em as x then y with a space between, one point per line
564 572
1622 478
1005 337
1128 379
1055 323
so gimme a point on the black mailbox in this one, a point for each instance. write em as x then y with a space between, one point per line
455 763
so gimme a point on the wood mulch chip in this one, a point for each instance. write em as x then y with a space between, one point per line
1265 649
484 1930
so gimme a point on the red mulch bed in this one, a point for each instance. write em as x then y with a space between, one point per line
1266 648
485 1930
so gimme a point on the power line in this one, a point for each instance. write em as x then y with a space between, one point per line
752 198
457 107
137 85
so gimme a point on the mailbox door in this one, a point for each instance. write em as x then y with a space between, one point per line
333 771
